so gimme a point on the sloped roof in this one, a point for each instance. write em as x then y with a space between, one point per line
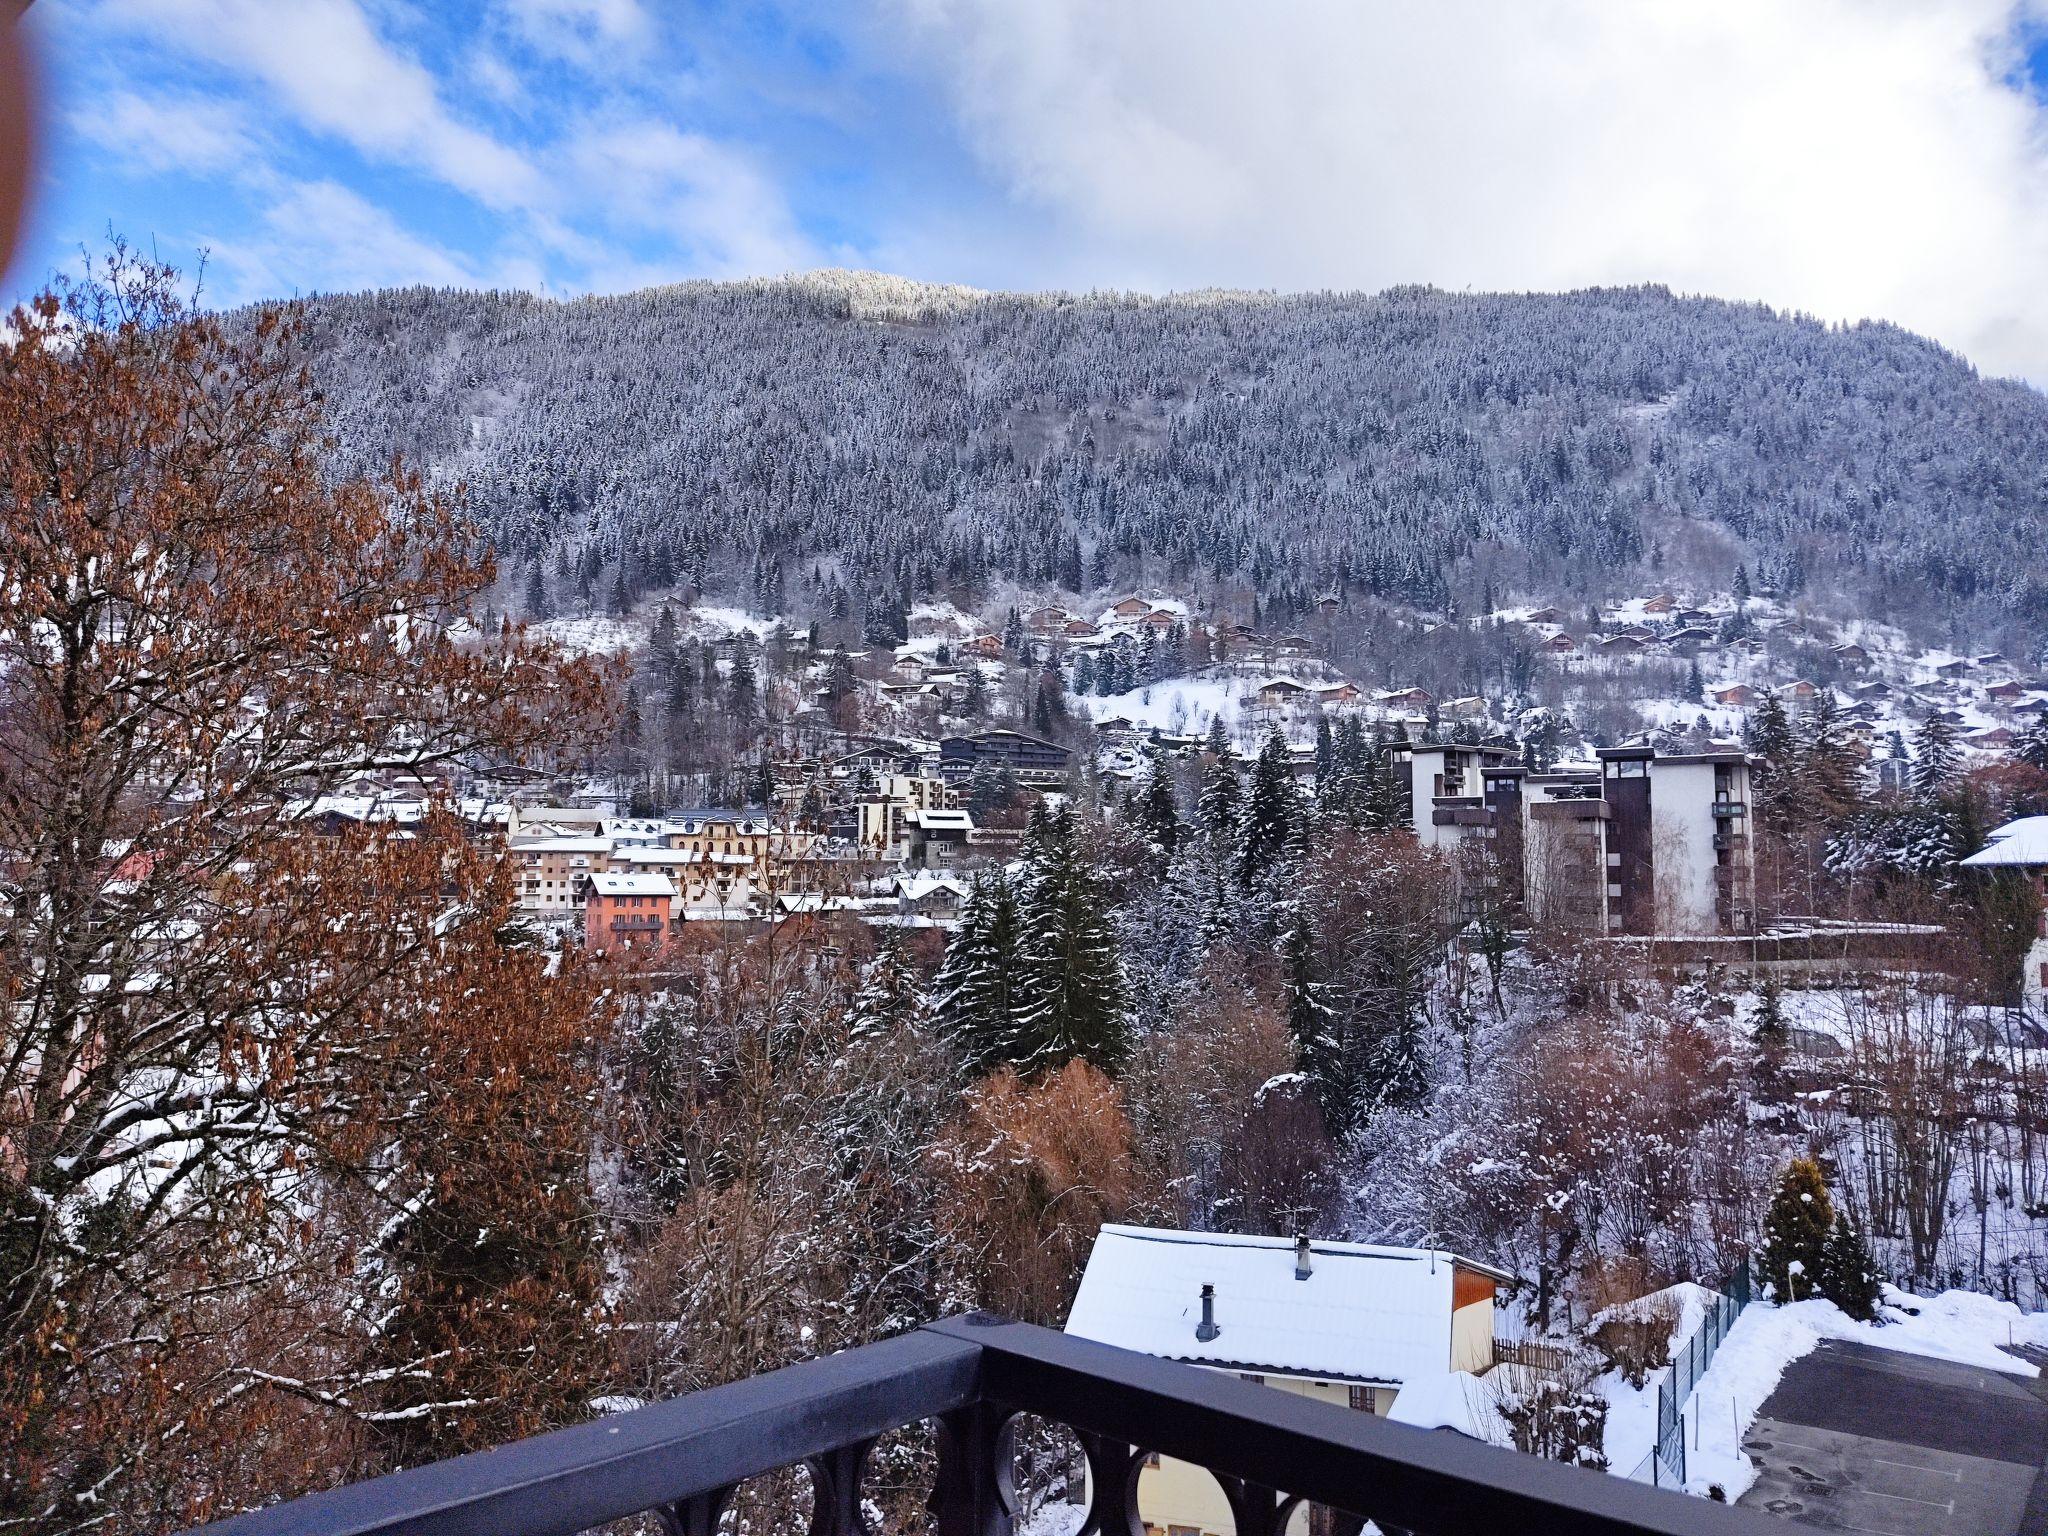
1365 1313
632 885
2017 842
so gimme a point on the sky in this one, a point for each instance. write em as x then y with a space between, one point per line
1844 158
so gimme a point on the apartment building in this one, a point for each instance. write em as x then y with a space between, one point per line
885 814
1035 762
628 912
553 874
1644 843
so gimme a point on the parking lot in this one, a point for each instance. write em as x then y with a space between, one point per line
1890 1444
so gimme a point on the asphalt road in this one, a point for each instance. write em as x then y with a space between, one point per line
1888 1444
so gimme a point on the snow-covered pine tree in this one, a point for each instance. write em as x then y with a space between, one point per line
1159 809
1830 775
1937 758
1848 1275
1070 993
742 690
2032 747
1796 1232
890 995
974 993
1271 810
1326 761
1217 810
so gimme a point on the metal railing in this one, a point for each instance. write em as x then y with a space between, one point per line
1269 1452
1665 1465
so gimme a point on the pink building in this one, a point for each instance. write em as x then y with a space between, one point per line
628 912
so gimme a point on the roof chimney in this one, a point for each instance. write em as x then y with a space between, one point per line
1207 1329
1303 1265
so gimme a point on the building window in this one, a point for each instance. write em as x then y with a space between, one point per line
1366 1399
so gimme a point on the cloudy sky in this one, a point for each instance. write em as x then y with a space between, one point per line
1842 157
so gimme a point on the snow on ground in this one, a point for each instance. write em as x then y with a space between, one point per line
1179 705
583 637
1957 1325
723 621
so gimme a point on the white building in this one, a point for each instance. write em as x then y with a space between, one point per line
2021 847
1646 843
1347 1323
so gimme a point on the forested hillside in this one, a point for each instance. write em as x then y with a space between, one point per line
842 444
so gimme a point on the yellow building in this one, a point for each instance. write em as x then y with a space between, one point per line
1344 1323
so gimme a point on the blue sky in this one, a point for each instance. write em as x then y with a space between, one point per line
1850 158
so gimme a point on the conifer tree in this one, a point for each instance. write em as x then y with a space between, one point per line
1070 993
1774 774
1796 1231
1308 1011
1271 809
974 992
1848 1276
661 641
2032 747
1830 777
1937 759
1159 811
742 690
536 601
1217 810
890 995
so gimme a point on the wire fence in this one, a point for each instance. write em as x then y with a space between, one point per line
1664 1466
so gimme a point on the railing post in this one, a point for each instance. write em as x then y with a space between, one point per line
974 1494
1114 1467
696 1515
835 1490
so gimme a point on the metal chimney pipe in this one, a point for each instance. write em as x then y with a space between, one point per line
1207 1329
1303 1263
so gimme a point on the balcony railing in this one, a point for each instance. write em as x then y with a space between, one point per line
682 1460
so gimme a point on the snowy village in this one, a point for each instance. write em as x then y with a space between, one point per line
958 769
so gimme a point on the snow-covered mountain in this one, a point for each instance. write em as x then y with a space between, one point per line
848 443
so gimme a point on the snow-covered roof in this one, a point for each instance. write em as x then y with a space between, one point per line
2017 842
632 885
917 887
1364 1313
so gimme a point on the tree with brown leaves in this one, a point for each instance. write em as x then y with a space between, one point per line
212 1018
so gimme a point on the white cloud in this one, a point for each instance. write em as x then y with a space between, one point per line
326 63
191 134
591 33
318 236
1850 158
716 210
